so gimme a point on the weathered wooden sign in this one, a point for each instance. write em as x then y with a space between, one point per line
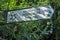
34 13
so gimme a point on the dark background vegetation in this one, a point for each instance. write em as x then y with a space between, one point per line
29 30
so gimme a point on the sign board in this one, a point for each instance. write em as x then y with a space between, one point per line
34 13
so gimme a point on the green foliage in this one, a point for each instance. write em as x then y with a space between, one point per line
16 4
11 4
32 30
58 1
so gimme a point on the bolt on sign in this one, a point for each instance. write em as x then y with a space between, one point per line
34 13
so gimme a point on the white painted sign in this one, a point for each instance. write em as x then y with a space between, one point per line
35 13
